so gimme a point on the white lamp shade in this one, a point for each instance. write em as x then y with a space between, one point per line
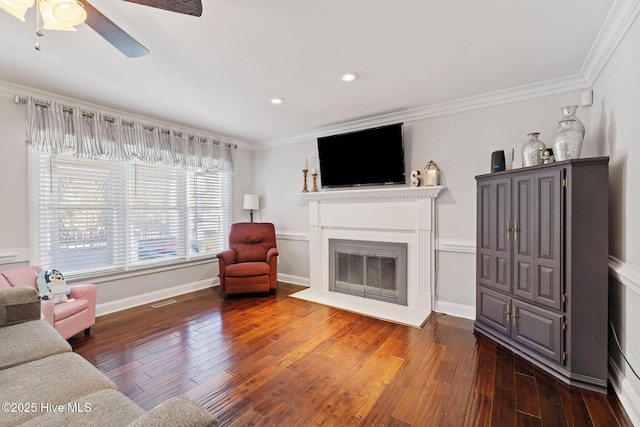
251 201
17 8
62 14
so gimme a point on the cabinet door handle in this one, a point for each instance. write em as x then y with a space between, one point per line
507 230
514 317
515 229
508 313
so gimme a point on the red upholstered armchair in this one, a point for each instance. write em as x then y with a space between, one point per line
251 262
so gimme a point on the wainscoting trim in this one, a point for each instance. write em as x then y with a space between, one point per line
625 273
134 301
462 246
627 395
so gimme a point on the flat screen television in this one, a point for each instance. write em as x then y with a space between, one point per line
368 157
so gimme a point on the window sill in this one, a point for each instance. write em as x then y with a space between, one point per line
110 276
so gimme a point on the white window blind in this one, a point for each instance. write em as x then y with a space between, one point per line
98 215
209 201
156 211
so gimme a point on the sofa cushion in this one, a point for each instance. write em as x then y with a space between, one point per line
54 380
29 341
102 408
246 269
69 308
176 412
18 305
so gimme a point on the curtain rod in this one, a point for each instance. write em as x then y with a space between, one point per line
23 100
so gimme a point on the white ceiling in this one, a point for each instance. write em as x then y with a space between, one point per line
218 72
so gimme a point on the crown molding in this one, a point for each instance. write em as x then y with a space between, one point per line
506 96
621 17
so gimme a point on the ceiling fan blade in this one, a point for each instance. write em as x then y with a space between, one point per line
188 7
112 33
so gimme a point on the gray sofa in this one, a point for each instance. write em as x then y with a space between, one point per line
43 383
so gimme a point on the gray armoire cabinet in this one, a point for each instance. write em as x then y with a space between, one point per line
542 266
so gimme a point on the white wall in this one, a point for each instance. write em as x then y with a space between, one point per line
127 288
461 144
616 128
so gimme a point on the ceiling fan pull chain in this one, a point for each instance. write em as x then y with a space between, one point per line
39 31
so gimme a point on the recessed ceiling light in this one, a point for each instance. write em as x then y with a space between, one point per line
349 77
277 101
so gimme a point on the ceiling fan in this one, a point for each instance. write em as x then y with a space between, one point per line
64 14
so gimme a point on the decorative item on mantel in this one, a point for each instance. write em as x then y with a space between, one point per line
431 174
416 179
569 134
314 175
305 169
532 150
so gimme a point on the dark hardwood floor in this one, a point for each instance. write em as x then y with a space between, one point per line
275 360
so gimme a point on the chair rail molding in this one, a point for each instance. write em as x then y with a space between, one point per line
625 273
462 246
292 235
8 256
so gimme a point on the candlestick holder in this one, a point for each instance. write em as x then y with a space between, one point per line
315 188
304 187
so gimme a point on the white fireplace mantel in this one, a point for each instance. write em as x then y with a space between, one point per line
397 214
394 193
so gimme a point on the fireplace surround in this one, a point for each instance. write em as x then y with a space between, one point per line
401 215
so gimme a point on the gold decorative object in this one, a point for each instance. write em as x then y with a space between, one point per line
304 187
431 174
314 175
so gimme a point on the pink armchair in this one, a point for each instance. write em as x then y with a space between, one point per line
68 318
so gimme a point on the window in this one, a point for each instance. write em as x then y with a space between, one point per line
98 215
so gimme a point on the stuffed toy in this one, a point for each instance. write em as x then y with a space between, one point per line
52 286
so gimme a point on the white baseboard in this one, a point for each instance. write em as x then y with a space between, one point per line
134 301
627 395
296 280
457 310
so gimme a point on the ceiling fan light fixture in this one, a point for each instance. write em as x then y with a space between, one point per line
17 8
62 15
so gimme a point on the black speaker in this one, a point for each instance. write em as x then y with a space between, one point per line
497 161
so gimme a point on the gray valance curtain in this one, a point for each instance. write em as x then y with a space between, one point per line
55 128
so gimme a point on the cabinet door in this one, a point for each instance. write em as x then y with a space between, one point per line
548 239
492 309
494 234
538 329
523 237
